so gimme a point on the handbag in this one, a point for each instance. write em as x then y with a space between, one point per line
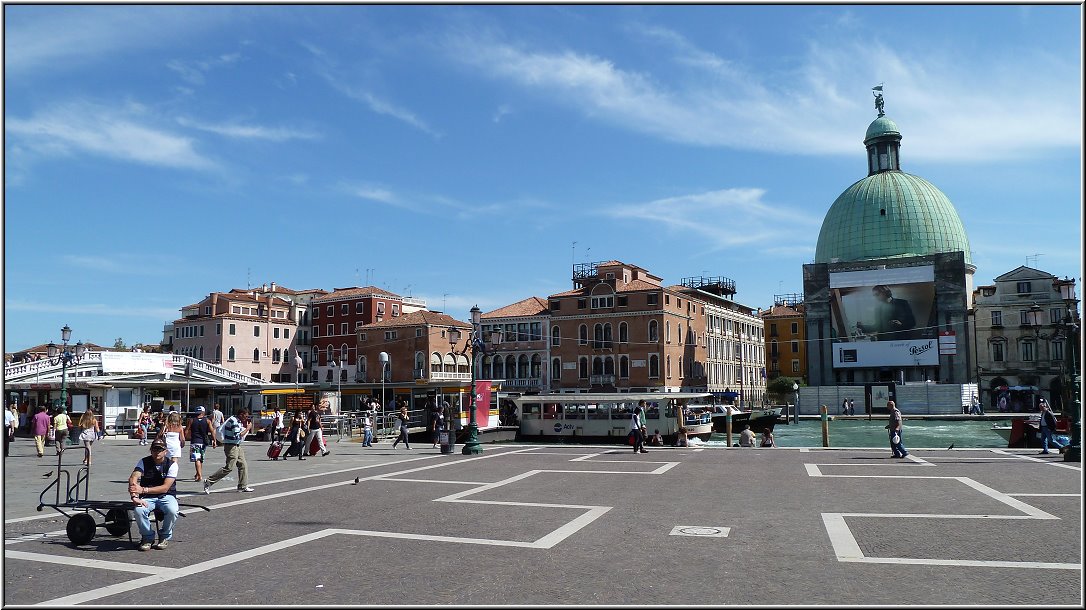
51 435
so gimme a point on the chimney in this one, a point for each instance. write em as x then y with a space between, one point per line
273 286
214 303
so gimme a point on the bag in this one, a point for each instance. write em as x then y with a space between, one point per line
896 439
275 449
140 433
630 438
51 435
315 446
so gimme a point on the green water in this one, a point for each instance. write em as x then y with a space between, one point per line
927 434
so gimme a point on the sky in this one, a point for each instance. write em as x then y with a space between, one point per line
473 154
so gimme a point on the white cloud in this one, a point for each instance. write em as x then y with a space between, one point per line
812 107
238 130
502 111
128 263
92 309
123 133
724 218
193 71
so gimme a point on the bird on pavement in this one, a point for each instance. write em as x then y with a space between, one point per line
47 475
951 446
355 481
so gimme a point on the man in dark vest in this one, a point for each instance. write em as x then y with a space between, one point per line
153 485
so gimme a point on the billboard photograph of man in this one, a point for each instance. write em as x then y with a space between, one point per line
894 318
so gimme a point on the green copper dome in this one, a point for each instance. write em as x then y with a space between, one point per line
890 214
881 126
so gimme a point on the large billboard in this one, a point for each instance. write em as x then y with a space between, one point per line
884 317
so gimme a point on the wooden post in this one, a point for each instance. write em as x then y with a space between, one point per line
825 426
728 426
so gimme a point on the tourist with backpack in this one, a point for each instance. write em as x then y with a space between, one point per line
231 434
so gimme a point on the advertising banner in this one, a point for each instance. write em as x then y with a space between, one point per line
885 353
136 362
890 305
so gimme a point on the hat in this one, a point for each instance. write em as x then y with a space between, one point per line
158 443
200 409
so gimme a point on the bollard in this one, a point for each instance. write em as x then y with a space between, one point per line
825 426
728 426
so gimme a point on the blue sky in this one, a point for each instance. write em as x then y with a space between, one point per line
155 154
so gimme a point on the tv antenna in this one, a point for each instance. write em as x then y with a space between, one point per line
1034 257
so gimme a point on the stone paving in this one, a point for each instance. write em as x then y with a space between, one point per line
572 525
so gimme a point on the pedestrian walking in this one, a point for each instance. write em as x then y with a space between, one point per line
200 435
88 433
367 429
173 433
851 407
1048 426
231 434
897 443
39 427
217 419
61 423
153 485
635 427
10 419
403 428
144 423
295 435
313 422
976 408
277 425
844 407
437 423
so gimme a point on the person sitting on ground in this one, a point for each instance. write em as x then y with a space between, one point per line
767 439
681 439
746 437
656 440
153 485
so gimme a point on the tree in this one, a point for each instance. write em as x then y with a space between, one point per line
781 388
119 343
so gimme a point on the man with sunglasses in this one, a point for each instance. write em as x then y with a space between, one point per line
153 485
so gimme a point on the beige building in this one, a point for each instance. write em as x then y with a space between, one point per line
519 360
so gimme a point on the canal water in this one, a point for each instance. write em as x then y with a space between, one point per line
919 433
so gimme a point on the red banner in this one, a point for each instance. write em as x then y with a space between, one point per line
482 403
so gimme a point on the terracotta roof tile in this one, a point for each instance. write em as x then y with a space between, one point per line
355 291
419 318
530 306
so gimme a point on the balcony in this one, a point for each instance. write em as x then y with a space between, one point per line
520 383
443 376
602 379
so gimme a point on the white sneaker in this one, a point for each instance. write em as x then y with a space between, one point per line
207 486
246 489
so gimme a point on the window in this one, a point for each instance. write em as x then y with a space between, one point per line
1056 349
1023 317
218 353
218 328
233 330
997 351
256 355
1055 316
207 310
202 328
316 331
390 335
361 336
286 333
345 309
667 299
522 331
275 332
667 331
343 329
395 309
654 366
795 347
380 308
601 302
679 333
556 336
582 335
343 354
331 310
1027 351
582 367
795 328
795 366
581 303
256 331
275 355
772 329
622 301
624 367
997 318
230 354
359 307
418 332
667 366
654 331
331 330
316 312
556 369
623 333
652 299
1024 287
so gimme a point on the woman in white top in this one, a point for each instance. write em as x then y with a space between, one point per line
174 435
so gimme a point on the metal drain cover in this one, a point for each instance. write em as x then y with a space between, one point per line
703 531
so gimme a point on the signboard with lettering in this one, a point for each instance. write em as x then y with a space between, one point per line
885 353
133 362
948 343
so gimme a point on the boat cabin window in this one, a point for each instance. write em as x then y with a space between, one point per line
530 411
596 412
550 411
671 411
574 412
620 410
652 410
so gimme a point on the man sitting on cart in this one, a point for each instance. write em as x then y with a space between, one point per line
153 485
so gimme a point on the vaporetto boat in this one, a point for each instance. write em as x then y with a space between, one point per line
605 418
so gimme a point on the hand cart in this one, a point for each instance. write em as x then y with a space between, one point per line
75 505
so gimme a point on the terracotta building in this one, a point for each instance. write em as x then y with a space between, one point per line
786 339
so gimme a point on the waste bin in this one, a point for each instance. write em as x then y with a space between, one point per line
444 441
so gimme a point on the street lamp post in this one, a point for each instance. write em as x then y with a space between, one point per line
1070 324
477 345
383 359
795 406
64 356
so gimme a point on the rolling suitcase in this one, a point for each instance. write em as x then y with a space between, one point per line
275 449
315 446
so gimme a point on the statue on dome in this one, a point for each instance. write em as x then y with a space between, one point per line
877 92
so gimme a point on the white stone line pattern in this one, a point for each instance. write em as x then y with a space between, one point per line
86 563
547 541
1030 458
847 549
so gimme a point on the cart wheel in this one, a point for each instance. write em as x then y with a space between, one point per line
117 522
80 529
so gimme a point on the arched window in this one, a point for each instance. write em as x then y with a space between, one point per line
275 355
607 336
362 367
624 367
556 369
201 352
328 357
597 336
462 364
667 331
582 367
667 365
597 366
556 336
537 366
486 367
256 354
680 367
582 336
420 365
609 366
522 367
449 363
218 353
623 333
342 354
654 365
230 354
435 362
679 333
510 367
654 331
499 367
